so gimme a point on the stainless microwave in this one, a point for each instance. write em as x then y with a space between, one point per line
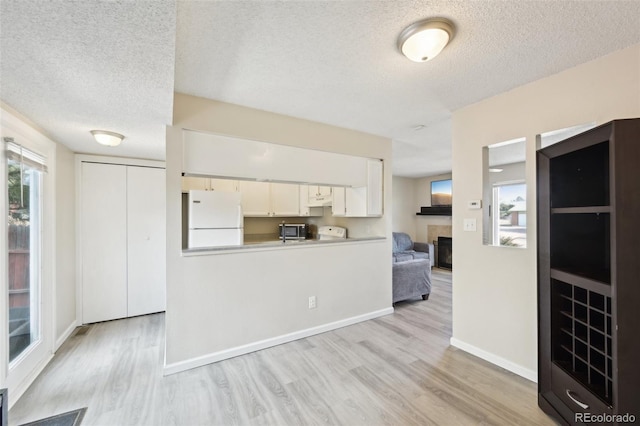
293 231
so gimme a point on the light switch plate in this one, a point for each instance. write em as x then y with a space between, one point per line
470 225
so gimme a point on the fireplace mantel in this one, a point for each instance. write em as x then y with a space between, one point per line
435 211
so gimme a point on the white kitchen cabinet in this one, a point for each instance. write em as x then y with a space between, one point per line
361 201
255 198
319 195
264 199
351 202
375 178
194 183
208 184
227 185
285 199
339 202
122 240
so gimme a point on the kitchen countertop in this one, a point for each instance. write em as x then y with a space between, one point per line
275 245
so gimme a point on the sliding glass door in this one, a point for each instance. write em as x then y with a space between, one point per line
24 219
26 252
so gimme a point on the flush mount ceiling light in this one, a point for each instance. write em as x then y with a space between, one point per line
107 138
423 40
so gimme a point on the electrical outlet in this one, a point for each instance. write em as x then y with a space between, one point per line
312 302
470 225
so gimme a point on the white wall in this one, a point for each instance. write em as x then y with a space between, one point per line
404 211
65 297
221 305
494 296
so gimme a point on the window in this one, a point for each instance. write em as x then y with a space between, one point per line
504 192
510 214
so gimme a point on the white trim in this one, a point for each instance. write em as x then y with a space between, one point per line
65 335
17 391
497 360
119 160
267 343
19 376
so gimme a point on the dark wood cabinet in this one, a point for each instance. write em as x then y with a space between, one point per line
4 408
589 274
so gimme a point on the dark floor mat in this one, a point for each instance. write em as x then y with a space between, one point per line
71 418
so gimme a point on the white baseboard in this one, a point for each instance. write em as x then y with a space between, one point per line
20 389
267 343
497 360
65 335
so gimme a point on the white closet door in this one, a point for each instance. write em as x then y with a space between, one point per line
104 242
146 240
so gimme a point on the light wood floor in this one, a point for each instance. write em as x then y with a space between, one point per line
394 370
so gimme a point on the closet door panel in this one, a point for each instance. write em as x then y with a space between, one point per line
146 240
103 242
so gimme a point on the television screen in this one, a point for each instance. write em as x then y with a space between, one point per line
441 193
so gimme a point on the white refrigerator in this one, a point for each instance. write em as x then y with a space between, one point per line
215 219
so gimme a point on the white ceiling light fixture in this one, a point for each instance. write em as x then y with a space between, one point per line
424 40
104 137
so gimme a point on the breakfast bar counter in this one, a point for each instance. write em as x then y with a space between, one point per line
273 244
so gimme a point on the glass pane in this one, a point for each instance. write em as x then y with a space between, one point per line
511 215
24 257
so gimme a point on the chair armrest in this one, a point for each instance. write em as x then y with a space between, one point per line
425 248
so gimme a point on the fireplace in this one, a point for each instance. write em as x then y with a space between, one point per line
445 252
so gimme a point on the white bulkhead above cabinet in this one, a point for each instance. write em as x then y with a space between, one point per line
280 180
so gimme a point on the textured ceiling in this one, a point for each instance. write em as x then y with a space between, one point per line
72 66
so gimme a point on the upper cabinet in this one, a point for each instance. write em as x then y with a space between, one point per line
208 184
255 198
285 199
223 185
264 199
363 201
375 199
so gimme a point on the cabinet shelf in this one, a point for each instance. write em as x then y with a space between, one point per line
581 210
599 283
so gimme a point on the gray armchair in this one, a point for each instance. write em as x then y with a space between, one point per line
412 264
